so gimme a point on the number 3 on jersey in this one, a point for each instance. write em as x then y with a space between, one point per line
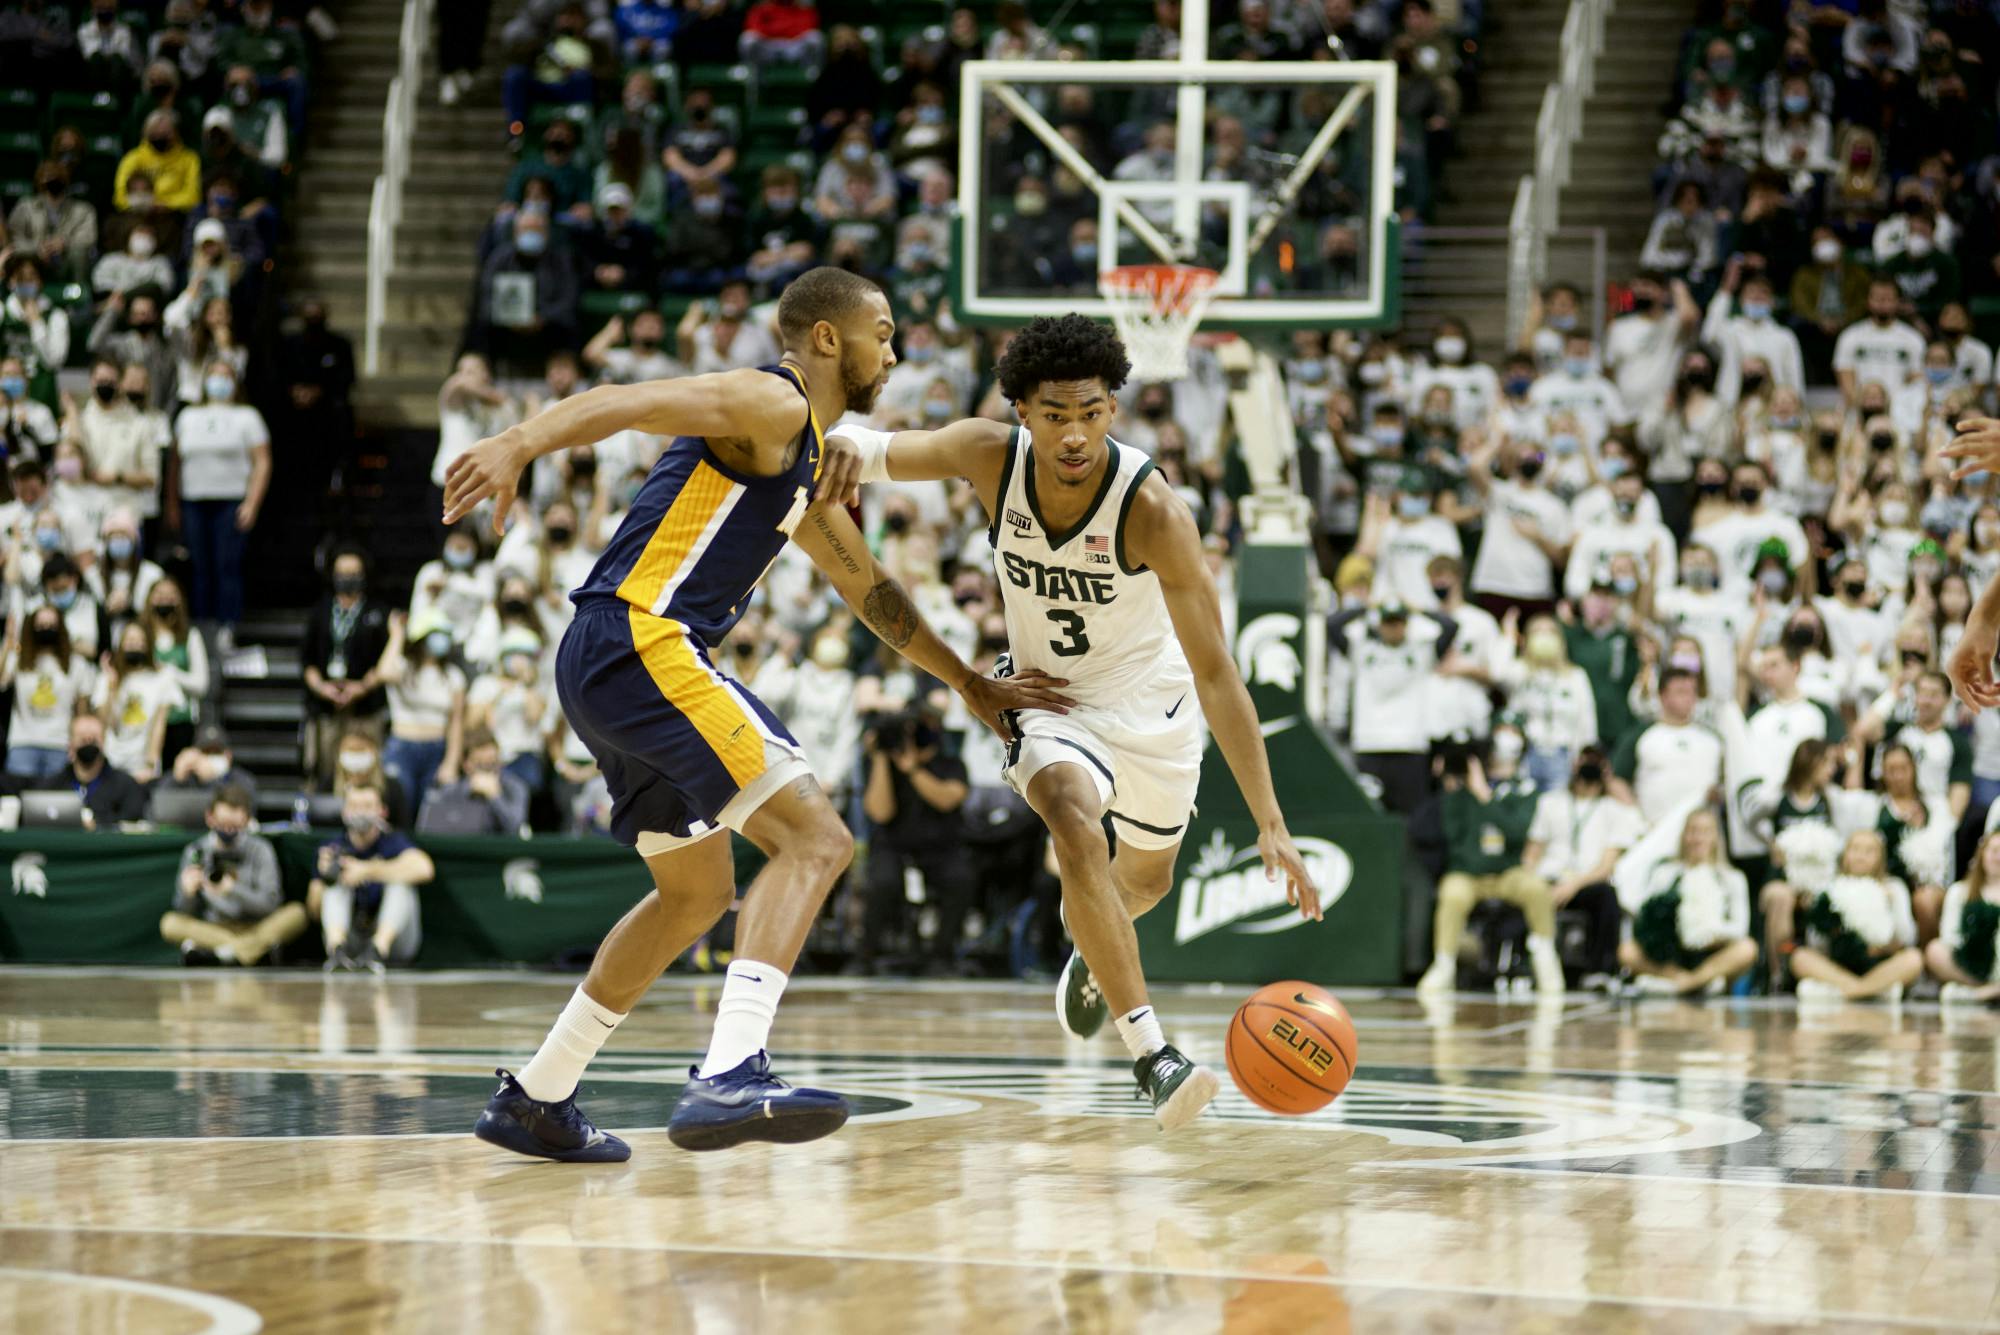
1074 641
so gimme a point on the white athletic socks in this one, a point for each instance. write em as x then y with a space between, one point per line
577 1035
1141 1032
750 993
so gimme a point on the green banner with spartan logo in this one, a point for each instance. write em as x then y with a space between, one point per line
97 898
1223 921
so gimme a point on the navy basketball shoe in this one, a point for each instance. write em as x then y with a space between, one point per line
747 1102
559 1130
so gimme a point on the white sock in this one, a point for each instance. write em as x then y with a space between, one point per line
1141 1032
575 1038
750 993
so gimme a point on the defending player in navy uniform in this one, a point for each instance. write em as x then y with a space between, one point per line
687 751
1101 569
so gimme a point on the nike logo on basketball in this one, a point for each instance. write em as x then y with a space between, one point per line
1311 1004
1177 705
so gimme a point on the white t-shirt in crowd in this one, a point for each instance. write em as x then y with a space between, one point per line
1668 763
1576 832
1644 539
1593 399
459 596
508 720
1474 386
1643 353
421 699
1558 709
1714 620
1888 355
1736 536
1853 632
751 345
126 441
129 713
45 697
629 366
215 440
1458 704
1377 690
1509 562
1403 565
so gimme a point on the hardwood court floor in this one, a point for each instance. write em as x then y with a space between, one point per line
208 1152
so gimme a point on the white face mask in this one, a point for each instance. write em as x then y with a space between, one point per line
357 762
1895 513
1826 252
1918 245
140 245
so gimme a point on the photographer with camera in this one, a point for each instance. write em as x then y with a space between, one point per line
913 796
228 903
365 888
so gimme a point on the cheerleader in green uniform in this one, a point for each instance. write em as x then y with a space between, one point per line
1861 940
1962 956
1691 930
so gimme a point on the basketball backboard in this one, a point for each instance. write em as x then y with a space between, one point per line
1281 176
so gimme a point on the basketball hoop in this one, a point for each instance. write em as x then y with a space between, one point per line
1157 308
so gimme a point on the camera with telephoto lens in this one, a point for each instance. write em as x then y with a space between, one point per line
904 728
218 863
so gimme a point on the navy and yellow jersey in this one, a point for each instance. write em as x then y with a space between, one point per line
700 534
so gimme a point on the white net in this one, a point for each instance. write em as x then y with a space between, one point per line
1157 308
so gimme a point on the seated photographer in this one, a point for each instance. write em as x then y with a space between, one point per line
913 796
364 888
1486 824
228 905
488 800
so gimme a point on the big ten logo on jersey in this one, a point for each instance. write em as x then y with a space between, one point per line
1096 549
1059 582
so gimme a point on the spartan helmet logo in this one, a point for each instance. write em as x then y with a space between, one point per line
31 876
522 879
1265 654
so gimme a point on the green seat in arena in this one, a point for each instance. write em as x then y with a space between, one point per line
775 126
601 306
14 189
20 109
92 113
728 84
782 86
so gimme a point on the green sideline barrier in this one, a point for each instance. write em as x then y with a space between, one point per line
74 897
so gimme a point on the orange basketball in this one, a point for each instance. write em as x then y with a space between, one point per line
1291 1048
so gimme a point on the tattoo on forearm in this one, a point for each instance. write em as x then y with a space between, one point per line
890 614
833 542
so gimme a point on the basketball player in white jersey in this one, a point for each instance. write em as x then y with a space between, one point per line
1103 576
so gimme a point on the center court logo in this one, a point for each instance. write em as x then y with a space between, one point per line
31 876
1265 654
1226 888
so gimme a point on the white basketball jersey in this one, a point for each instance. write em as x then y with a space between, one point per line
1076 605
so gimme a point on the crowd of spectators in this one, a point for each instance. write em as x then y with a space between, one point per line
146 161
1643 637
652 179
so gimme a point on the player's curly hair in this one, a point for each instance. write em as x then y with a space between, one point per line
1061 347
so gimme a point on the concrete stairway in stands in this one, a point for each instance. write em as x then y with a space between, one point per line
1610 182
457 168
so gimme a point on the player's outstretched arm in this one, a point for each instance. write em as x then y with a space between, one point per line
974 449
829 536
745 405
1161 535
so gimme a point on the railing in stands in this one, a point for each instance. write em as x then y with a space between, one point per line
1538 201
385 203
